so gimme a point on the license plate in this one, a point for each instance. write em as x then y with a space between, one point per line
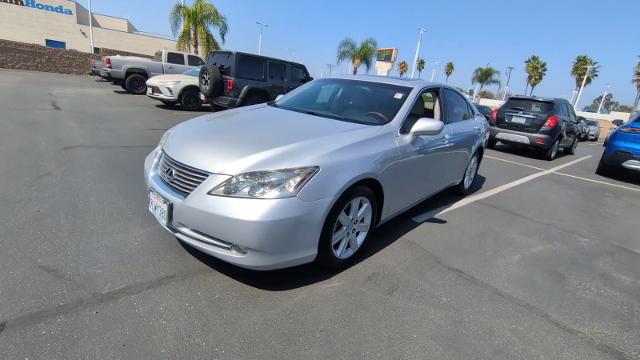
159 207
518 120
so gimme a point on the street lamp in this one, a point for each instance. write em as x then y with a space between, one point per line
584 81
262 26
433 72
506 87
91 29
415 58
604 95
573 96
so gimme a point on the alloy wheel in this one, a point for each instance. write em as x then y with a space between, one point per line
351 227
470 174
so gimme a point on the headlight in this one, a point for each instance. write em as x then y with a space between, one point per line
275 184
169 83
164 138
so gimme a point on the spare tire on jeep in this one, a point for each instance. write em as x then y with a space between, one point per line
210 81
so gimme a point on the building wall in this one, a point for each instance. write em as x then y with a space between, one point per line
29 25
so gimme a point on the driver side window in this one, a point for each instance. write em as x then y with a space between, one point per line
427 105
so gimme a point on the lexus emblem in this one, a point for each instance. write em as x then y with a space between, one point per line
169 174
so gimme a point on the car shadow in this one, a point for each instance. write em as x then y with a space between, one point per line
524 151
623 175
201 109
122 92
383 236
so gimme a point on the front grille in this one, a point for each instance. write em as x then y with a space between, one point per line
181 178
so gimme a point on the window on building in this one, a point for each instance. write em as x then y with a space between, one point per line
175 58
96 50
55 44
195 61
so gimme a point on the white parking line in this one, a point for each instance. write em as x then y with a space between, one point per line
598 181
512 162
483 195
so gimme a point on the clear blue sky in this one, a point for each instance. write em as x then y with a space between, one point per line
468 33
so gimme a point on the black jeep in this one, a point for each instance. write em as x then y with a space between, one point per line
230 79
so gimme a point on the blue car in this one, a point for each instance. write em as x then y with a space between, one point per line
622 148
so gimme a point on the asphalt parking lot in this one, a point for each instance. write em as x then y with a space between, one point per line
541 262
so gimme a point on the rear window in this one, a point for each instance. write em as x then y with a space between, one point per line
532 106
222 60
251 68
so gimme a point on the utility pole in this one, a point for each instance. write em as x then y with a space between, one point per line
415 58
330 67
604 95
91 28
506 87
584 81
262 26
433 72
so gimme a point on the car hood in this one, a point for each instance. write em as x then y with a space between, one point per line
260 137
172 77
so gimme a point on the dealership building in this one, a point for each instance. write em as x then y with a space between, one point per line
65 24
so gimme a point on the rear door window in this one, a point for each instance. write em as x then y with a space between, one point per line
195 61
456 107
251 68
175 58
277 71
528 105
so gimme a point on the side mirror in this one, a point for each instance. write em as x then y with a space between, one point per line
279 97
427 126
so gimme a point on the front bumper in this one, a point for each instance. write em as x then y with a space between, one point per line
622 156
259 234
534 140
161 93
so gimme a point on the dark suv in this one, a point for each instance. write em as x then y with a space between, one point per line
230 78
543 124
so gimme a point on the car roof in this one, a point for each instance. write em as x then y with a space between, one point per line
536 98
258 56
392 80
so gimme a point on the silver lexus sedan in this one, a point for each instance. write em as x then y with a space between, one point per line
309 176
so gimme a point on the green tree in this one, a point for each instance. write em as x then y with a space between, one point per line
403 67
420 66
608 104
357 54
448 70
194 23
536 69
636 81
579 70
485 76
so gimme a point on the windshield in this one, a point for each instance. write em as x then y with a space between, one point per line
357 101
192 72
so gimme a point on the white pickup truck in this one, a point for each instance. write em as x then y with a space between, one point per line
132 72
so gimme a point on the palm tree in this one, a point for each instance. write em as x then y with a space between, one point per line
194 23
361 54
420 66
485 76
448 70
536 69
636 81
403 67
579 70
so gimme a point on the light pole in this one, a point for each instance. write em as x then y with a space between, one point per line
573 96
262 26
604 95
506 87
330 67
433 72
415 58
91 28
584 81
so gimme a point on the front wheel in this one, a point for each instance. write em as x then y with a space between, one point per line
603 169
190 99
470 173
347 227
136 84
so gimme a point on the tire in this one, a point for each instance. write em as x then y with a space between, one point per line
254 99
552 151
491 144
210 81
603 169
571 150
123 86
190 99
469 177
136 84
339 254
